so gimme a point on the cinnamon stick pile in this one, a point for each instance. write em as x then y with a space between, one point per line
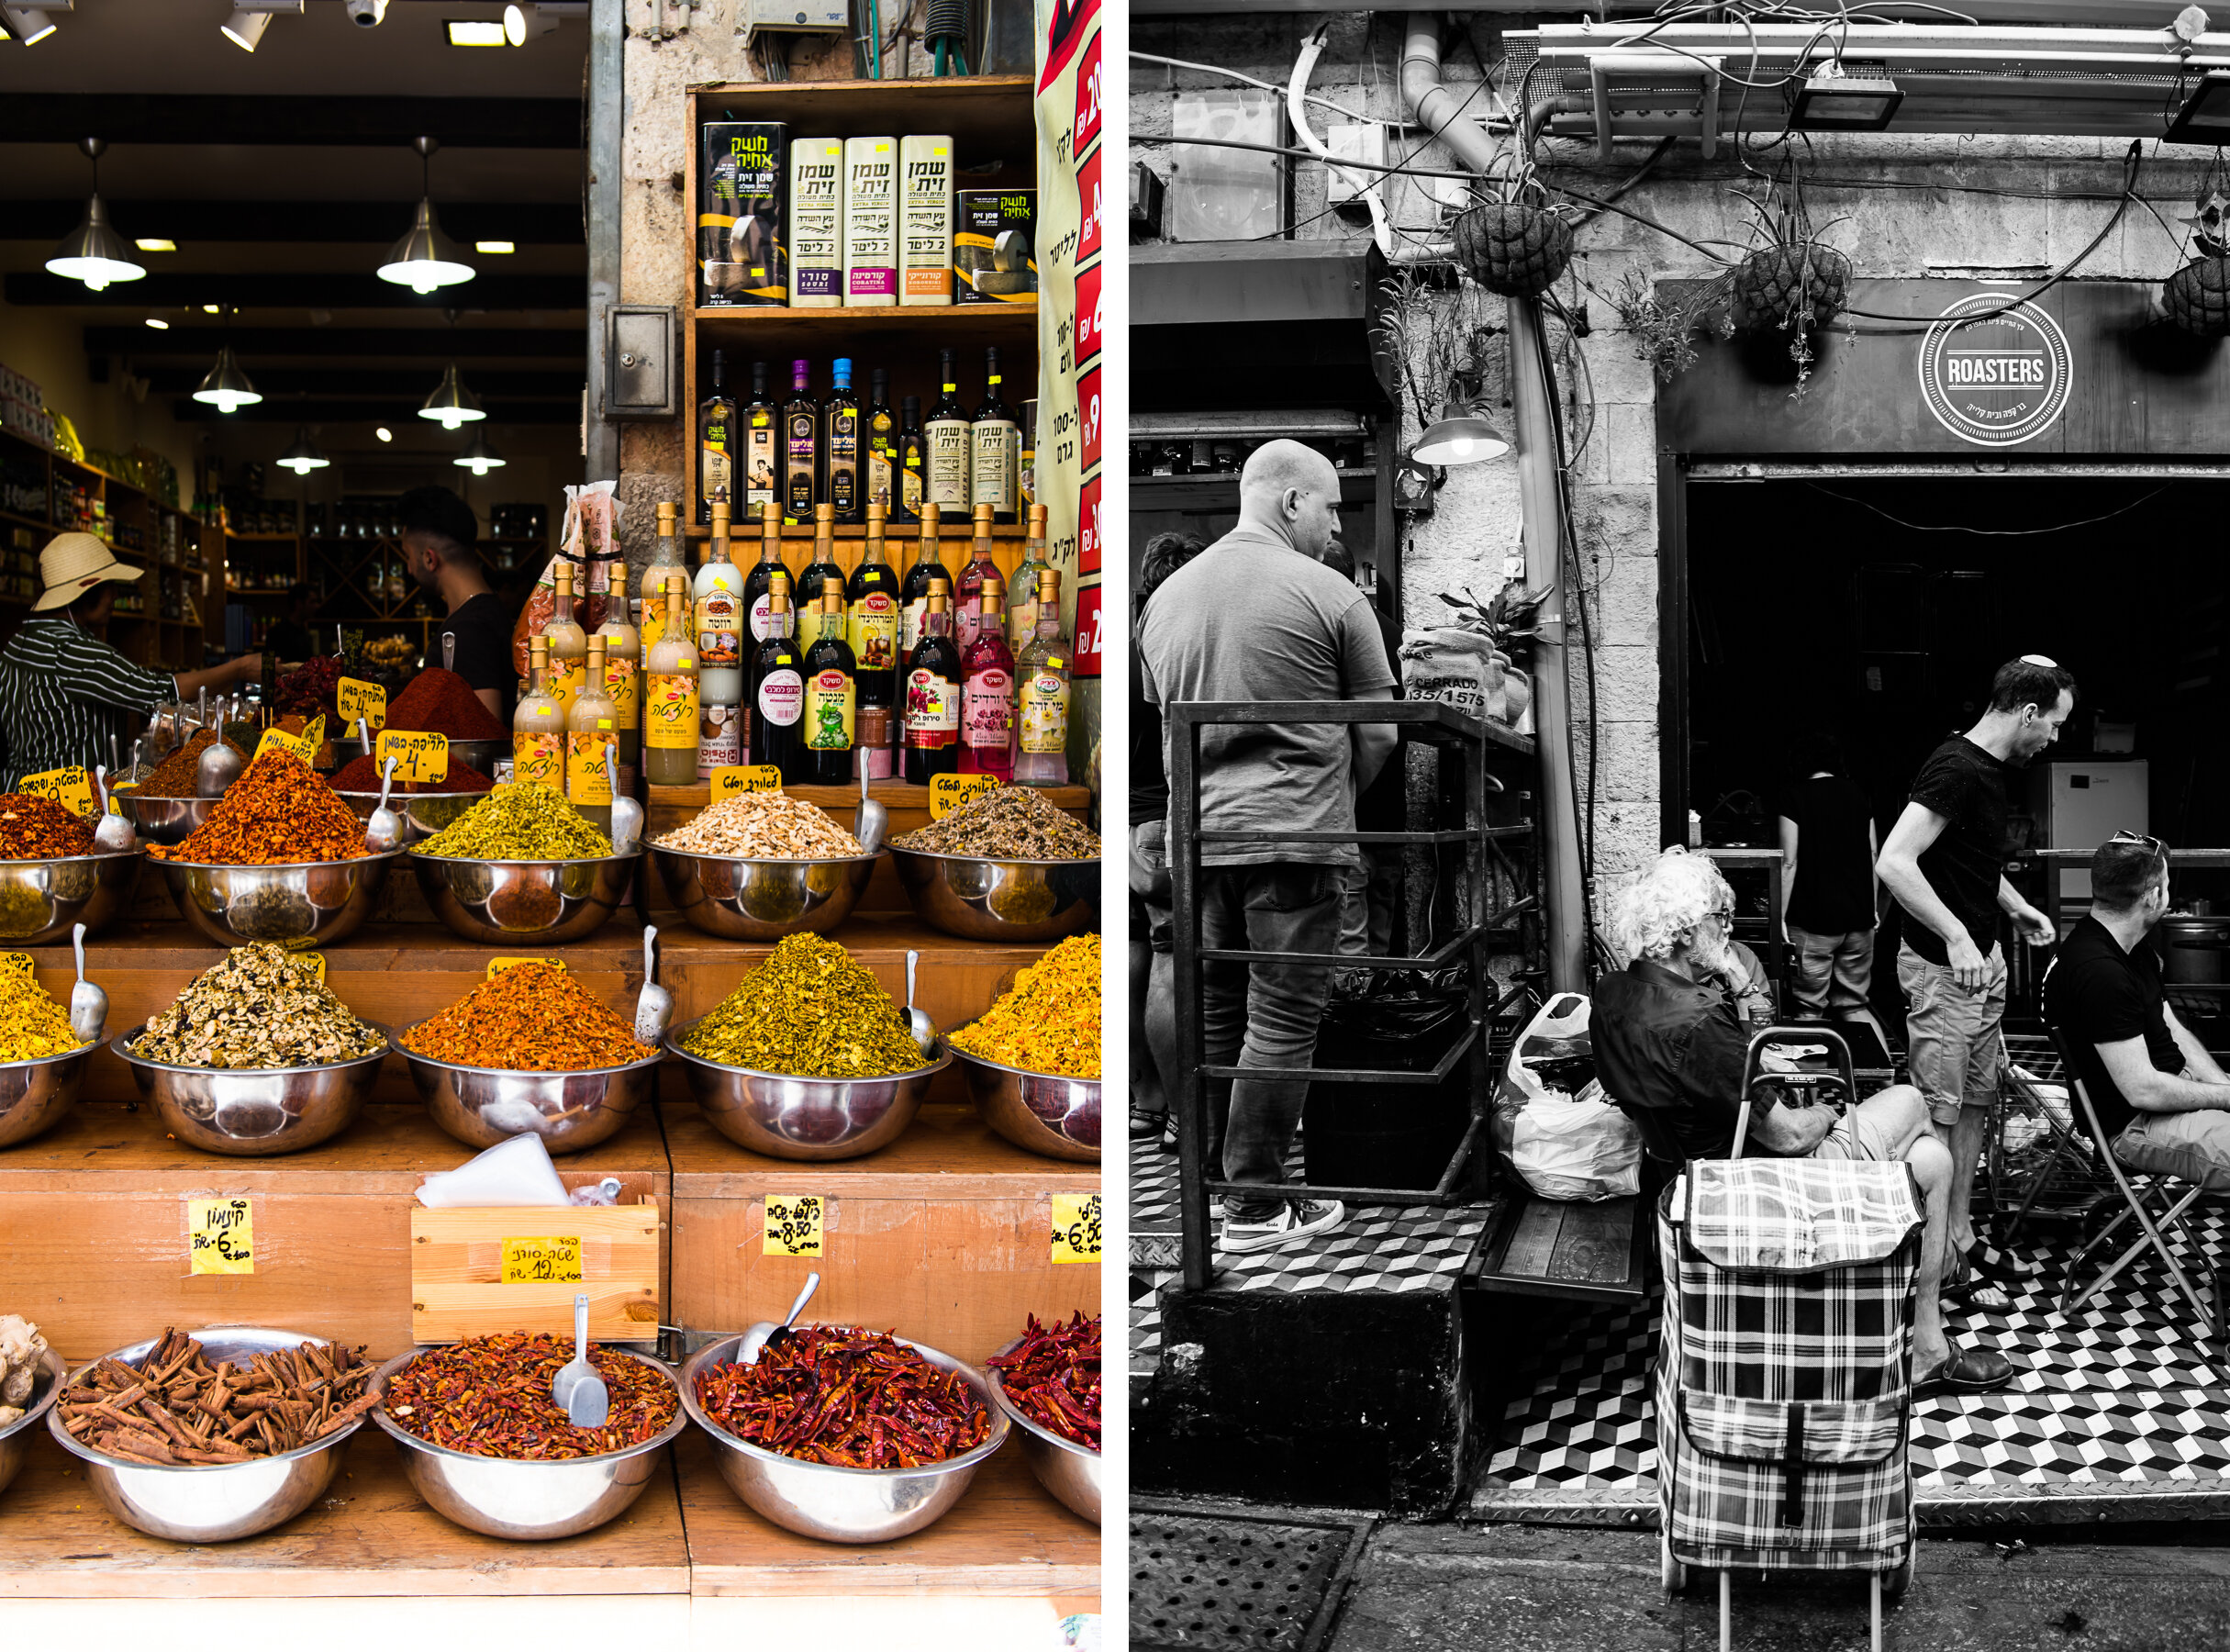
178 1409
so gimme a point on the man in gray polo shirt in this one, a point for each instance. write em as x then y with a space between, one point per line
1258 616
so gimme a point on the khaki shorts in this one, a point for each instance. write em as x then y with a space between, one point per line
1952 1034
1855 1136
2192 1147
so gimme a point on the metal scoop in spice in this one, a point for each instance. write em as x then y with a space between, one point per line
385 829
88 1004
217 768
917 1021
764 1335
873 822
113 835
576 1390
627 814
653 1004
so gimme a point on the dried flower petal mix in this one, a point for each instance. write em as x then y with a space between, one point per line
854 1397
489 1395
262 1007
278 813
1009 823
525 823
1049 1021
763 826
810 1012
531 1018
32 1025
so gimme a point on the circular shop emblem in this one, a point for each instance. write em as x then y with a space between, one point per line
1992 374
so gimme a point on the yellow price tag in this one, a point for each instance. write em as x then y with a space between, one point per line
736 778
220 1236
547 1261
71 788
313 736
792 1224
949 792
318 959
18 961
276 739
358 698
419 758
1075 1227
497 966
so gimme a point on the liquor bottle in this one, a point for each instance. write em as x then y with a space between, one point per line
719 622
669 694
912 479
759 581
996 446
872 629
832 708
986 693
913 596
538 727
716 431
622 666
980 570
1022 610
933 693
777 723
665 560
591 728
1042 672
882 427
841 443
801 483
568 642
762 424
821 576
951 449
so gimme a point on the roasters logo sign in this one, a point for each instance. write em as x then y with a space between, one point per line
1993 374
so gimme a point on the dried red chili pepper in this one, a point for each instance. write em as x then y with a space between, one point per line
279 812
41 829
1053 1377
854 1397
489 1395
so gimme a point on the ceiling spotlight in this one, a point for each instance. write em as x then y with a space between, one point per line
155 244
1840 99
2205 115
93 252
158 324
425 260
462 33
29 22
493 247
245 26
303 457
451 404
227 387
479 457
1461 435
384 433
367 14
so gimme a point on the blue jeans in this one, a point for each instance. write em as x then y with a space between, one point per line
1263 1015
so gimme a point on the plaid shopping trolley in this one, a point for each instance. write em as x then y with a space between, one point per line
1784 1366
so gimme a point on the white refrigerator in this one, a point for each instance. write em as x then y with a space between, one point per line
2080 805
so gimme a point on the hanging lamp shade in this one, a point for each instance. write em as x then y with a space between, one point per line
93 252
451 404
425 260
227 387
303 457
1459 436
479 457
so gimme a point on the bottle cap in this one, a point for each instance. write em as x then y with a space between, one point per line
843 371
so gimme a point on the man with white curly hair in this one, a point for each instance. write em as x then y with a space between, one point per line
1668 1042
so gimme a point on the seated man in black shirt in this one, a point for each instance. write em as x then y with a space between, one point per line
2163 1102
439 529
1668 1042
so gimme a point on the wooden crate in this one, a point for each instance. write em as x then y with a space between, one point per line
459 1262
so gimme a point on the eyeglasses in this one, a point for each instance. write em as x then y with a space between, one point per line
2150 841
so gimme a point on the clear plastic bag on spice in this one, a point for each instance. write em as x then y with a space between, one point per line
590 542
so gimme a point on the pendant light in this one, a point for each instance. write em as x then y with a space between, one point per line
425 260
479 457
451 404
1461 435
227 387
303 457
93 252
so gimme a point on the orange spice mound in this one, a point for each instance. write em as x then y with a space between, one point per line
276 813
531 1017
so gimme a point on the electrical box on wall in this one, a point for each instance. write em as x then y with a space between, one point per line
1146 199
795 16
640 363
1353 140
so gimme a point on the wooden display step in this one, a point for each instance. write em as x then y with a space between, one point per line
369 1534
1005 1536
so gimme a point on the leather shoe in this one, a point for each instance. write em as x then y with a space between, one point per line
1966 1371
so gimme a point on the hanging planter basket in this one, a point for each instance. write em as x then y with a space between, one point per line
1790 284
2197 298
1518 248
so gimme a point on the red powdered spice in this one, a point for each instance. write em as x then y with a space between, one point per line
441 702
362 775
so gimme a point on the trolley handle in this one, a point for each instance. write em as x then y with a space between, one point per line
1754 1057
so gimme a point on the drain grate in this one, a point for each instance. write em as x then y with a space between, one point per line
1209 1584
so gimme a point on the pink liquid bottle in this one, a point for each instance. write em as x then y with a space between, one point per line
986 696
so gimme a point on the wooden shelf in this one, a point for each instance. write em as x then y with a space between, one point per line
775 336
988 117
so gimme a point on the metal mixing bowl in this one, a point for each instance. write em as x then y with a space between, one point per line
523 903
16 1437
841 1505
424 813
740 899
482 1106
1001 900
523 1501
42 900
790 1117
164 820
212 1502
33 1094
248 1112
1037 1112
1070 1471
482 754
299 904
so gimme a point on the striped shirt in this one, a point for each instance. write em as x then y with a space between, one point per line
62 693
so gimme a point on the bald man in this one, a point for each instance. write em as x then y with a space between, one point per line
1258 616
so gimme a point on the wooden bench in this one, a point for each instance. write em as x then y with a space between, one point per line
1583 1253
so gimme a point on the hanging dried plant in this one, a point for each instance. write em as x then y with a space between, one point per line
1790 279
2196 297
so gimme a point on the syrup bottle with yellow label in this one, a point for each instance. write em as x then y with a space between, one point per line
591 728
538 727
568 642
669 694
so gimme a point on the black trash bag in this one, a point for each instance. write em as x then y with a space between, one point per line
1390 1136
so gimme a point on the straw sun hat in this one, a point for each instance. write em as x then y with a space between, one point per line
72 564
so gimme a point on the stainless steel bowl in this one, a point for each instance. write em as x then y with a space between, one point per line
740 899
790 1117
42 900
1001 900
1070 1471
300 904
164 820
526 1502
523 903
424 813
841 1505
33 1094
482 754
1039 1112
482 1106
248 1112
212 1502
16 1437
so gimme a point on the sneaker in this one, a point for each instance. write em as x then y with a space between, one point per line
1295 1221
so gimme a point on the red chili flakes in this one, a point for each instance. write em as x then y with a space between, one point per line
853 1398
489 1395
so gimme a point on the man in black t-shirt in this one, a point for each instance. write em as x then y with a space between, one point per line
2162 1102
438 534
1945 863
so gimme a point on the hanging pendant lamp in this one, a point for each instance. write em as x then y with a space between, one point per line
1461 435
479 457
451 404
425 260
93 252
303 457
226 388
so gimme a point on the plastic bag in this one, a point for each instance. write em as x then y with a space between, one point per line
1582 1148
589 541
513 1172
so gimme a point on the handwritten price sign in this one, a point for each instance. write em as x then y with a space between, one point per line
71 788
949 792
793 1225
279 740
497 966
542 1261
220 1236
359 699
1075 1227
734 780
17 960
419 758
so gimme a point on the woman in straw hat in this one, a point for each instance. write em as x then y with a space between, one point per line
62 688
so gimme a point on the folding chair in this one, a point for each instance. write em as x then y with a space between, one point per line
2157 1223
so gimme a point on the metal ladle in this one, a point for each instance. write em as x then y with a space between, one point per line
917 1021
113 835
218 766
627 814
88 1004
385 829
764 1335
873 822
653 1004
576 1388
